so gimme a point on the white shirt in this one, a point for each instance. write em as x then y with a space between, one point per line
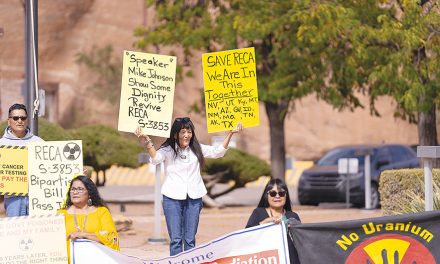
183 176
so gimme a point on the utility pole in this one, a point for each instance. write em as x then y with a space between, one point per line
2 32
31 60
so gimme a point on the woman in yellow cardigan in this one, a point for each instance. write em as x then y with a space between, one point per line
87 216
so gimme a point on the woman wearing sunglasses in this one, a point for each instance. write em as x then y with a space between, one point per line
17 134
274 207
183 188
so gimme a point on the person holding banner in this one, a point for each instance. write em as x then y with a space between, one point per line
275 207
87 216
183 188
17 133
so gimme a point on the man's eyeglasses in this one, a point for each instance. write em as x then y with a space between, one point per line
183 119
15 118
274 193
78 190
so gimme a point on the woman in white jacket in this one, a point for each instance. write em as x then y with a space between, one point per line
183 189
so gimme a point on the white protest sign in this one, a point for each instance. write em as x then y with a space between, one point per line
26 240
346 166
52 165
147 93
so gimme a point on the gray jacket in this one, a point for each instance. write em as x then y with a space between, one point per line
9 139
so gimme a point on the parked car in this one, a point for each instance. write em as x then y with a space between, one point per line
322 183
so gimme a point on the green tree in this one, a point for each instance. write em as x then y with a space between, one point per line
408 64
107 69
236 166
286 67
386 48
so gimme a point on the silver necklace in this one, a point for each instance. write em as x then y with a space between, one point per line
271 215
183 156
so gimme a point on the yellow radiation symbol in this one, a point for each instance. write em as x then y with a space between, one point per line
391 250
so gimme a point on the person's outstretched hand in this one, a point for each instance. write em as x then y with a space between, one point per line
142 137
238 128
274 220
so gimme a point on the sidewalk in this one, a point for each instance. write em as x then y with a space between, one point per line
248 196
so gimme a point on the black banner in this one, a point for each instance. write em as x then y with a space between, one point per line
400 239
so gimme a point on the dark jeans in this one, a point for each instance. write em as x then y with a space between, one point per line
182 217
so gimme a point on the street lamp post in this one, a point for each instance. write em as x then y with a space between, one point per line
31 60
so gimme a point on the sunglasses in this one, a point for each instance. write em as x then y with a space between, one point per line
183 119
274 193
15 118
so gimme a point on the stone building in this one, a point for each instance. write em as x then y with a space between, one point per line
67 28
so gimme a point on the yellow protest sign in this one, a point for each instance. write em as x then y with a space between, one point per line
33 240
13 170
52 165
147 93
231 95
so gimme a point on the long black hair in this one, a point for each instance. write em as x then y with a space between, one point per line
91 189
194 145
281 185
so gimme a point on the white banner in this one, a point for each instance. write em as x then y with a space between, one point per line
260 244
26 240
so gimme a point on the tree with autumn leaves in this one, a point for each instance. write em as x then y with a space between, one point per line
333 49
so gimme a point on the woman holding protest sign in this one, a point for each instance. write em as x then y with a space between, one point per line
275 207
183 157
87 216
17 133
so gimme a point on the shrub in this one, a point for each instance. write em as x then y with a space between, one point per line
47 131
402 191
236 166
104 146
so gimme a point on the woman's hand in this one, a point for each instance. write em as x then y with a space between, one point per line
74 235
143 139
238 128
84 235
274 220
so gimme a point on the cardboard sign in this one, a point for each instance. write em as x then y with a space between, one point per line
231 94
52 165
13 170
25 240
147 93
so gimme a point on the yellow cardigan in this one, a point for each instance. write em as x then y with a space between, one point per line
99 222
